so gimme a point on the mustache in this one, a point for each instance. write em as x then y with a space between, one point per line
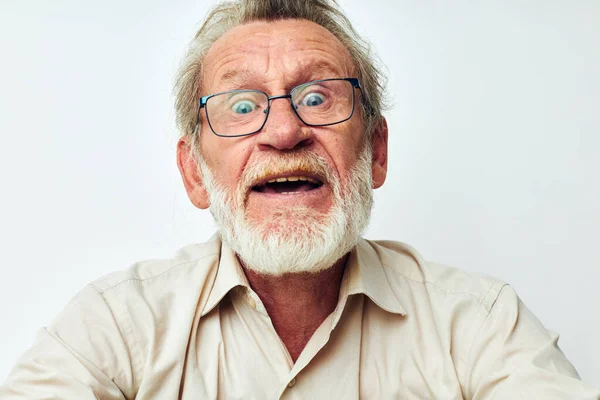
278 163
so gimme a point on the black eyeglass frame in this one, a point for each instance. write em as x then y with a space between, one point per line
203 100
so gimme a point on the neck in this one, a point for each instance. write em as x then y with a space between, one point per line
298 303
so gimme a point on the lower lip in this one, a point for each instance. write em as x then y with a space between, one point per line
314 197
298 193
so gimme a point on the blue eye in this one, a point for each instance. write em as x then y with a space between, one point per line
313 99
243 107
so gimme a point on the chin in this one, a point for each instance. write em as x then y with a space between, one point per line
292 241
297 224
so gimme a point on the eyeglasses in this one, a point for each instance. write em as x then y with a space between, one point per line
237 113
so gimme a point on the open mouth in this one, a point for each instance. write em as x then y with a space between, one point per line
288 185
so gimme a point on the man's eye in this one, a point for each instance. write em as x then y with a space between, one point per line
313 99
243 107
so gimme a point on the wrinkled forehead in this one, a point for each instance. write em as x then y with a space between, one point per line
288 50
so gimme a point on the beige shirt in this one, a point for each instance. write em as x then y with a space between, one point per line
191 328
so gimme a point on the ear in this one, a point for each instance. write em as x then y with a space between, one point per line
380 151
188 168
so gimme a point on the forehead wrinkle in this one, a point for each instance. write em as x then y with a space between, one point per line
321 64
301 72
315 68
232 76
273 49
222 54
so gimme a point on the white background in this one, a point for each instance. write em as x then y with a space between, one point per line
494 158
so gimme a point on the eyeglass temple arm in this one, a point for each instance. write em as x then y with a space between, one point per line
355 82
201 104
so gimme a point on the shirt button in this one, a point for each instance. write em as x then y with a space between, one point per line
292 383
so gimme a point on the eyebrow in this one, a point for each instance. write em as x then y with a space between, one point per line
236 76
320 70
315 71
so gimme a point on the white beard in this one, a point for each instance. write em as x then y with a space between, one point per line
297 239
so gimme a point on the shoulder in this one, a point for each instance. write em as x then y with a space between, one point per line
191 261
148 284
405 266
122 312
149 293
457 303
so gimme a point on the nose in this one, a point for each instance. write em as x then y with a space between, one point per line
283 129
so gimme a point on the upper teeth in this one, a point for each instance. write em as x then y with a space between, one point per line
293 179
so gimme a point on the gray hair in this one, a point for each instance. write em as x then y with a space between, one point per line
228 15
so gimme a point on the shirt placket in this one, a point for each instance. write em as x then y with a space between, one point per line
278 354
318 340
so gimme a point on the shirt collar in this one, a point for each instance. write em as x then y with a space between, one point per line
364 274
229 276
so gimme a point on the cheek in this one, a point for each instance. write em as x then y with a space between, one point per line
227 157
227 171
345 148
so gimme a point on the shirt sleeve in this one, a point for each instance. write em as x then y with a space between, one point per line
84 354
515 357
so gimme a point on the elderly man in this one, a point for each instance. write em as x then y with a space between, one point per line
283 140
